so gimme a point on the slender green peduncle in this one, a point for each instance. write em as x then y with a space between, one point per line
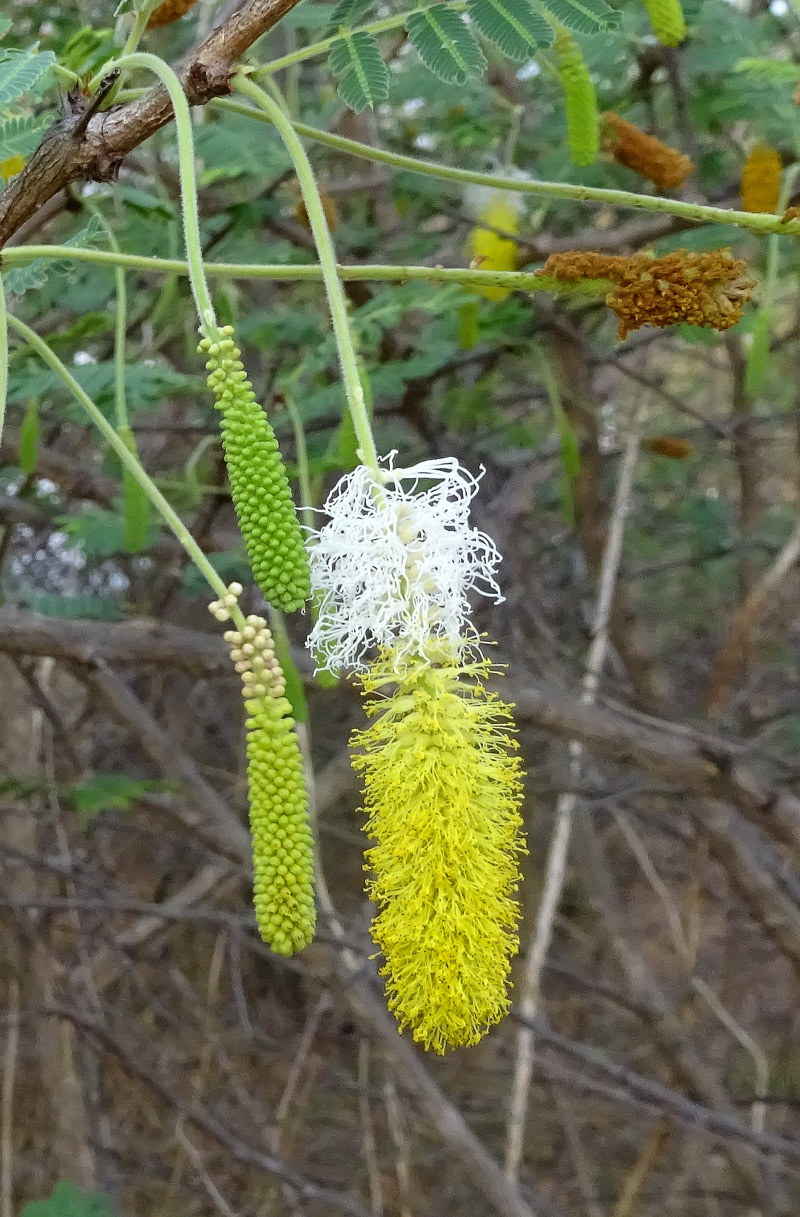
167 513
699 213
120 318
516 280
337 301
191 222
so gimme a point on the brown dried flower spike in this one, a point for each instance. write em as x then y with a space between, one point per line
705 289
645 154
169 11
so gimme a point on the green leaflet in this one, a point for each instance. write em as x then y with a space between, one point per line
363 77
584 16
21 279
512 26
69 1201
445 44
20 133
136 505
29 438
107 792
348 13
758 355
346 443
20 70
469 324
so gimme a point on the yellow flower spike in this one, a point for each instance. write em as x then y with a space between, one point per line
442 795
490 251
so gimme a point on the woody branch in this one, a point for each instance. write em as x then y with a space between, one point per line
87 146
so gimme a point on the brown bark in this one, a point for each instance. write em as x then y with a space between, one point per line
88 146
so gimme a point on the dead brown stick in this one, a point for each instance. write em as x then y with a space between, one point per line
140 642
216 818
692 761
732 656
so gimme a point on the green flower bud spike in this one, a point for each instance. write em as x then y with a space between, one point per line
283 856
583 120
259 485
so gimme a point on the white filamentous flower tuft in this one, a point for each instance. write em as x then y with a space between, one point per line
394 564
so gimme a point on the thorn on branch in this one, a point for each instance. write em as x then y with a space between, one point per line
95 102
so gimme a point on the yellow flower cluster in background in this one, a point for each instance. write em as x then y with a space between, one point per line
489 248
11 167
761 180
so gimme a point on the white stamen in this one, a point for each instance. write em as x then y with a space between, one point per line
395 563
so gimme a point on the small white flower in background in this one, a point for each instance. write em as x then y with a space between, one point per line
394 564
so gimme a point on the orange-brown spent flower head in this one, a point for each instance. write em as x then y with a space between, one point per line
706 289
169 11
671 446
645 154
328 206
579 264
761 180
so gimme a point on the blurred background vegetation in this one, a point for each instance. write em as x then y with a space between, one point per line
155 1057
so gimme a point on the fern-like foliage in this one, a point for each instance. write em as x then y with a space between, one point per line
363 77
20 70
584 16
445 44
774 70
21 279
512 26
348 13
20 133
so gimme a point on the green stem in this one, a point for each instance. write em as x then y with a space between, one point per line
395 22
519 280
3 357
191 222
139 26
698 212
303 473
337 301
120 320
758 355
167 513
